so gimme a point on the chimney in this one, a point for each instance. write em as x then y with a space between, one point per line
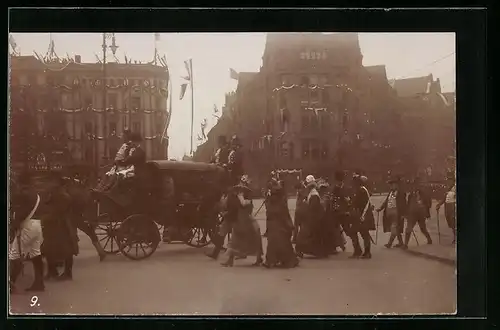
78 59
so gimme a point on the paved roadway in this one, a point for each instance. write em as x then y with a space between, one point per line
181 280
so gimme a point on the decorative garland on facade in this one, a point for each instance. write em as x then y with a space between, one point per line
109 110
96 84
312 87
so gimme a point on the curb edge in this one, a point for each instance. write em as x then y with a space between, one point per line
447 261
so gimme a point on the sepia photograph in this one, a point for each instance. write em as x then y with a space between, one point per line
215 174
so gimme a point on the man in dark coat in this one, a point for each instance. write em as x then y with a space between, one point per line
362 220
419 204
394 207
60 234
340 206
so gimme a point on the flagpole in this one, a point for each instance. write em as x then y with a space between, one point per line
192 103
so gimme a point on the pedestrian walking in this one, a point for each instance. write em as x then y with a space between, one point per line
419 204
26 232
340 208
60 235
362 220
394 208
246 237
300 210
449 200
310 237
280 252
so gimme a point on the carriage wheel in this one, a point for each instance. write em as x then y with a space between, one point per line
198 237
215 230
106 235
138 237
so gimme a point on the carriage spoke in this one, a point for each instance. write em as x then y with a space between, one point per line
143 250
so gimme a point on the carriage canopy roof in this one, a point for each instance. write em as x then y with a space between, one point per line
184 166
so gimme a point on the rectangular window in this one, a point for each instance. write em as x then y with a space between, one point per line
112 101
314 121
88 154
88 128
88 101
136 127
112 129
135 103
159 103
324 150
291 151
315 150
314 79
314 95
306 149
286 79
305 121
325 121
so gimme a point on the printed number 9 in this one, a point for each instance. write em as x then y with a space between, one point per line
34 300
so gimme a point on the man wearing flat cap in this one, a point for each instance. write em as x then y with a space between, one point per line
394 207
419 204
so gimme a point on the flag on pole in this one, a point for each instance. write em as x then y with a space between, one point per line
233 74
188 66
183 91
203 127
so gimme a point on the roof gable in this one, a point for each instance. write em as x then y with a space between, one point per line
412 86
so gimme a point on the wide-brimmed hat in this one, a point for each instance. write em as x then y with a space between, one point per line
243 184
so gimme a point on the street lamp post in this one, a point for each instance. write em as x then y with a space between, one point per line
113 47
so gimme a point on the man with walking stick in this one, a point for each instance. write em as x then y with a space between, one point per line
394 208
419 204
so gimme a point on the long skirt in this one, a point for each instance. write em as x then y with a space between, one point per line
310 239
279 245
60 239
246 237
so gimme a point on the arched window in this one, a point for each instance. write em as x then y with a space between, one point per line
304 81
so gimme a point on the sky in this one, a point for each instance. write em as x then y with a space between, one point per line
213 54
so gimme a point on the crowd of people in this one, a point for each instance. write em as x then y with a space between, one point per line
324 216
43 225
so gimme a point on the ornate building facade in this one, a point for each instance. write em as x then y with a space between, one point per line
314 106
79 110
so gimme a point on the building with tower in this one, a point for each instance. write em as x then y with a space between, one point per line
314 106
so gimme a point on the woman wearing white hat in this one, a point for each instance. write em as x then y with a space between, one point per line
309 236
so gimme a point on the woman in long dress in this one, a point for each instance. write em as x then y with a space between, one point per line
246 237
280 252
310 236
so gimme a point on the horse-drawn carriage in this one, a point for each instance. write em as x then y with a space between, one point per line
180 195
